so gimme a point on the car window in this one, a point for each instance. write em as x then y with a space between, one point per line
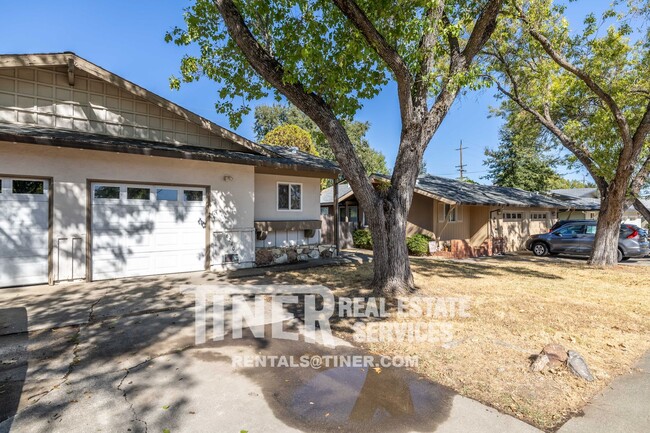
571 229
591 230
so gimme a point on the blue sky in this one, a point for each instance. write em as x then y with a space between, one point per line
126 37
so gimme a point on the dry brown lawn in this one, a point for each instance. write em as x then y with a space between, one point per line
517 306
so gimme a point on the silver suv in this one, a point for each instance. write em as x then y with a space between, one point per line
577 238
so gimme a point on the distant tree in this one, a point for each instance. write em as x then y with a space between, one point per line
268 117
423 168
524 158
290 136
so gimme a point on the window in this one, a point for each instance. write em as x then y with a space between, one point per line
538 216
138 193
324 210
163 194
451 213
289 196
109 192
28 187
513 216
191 195
571 230
591 229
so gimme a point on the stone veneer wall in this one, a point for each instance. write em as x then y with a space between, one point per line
291 254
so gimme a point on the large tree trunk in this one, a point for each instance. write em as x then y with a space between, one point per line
391 265
612 206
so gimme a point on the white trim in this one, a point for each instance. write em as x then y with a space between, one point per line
277 196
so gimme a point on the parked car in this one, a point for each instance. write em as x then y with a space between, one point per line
577 238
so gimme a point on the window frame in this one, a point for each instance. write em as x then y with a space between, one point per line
277 196
28 194
446 216
105 199
518 216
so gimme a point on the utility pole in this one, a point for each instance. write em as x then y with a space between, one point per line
461 167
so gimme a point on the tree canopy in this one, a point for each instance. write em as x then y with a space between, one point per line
290 136
268 117
526 158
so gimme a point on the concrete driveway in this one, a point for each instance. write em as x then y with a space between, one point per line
120 356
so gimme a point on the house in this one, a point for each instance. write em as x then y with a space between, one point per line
463 219
100 179
587 200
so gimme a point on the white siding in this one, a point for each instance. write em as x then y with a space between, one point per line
42 96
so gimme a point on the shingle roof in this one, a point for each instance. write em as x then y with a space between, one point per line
576 192
327 195
298 161
474 194
468 194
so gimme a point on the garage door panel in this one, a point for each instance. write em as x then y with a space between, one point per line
147 237
23 243
15 214
24 235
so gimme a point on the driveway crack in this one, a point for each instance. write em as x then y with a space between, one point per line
125 394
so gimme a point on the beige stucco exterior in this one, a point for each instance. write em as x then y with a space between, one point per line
231 207
266 208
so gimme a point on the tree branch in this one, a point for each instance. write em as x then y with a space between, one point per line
483 29
565 64
545 119
310 103
643 129
427 42
386 52
641 208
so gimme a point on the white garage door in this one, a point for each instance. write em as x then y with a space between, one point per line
147 230
23 231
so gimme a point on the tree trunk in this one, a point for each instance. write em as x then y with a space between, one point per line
612 206
391 265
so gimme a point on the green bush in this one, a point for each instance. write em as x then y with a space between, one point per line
362 239
418 245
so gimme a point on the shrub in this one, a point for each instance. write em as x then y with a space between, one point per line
418 245
362 239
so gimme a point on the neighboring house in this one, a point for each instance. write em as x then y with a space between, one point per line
587 200
449 210
100 178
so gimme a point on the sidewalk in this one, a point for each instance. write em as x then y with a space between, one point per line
624 407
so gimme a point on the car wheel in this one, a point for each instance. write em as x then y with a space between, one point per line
540 249
620 256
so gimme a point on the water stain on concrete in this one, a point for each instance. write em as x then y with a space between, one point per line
339 398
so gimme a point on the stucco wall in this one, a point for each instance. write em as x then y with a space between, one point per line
232 201
266 209
266 198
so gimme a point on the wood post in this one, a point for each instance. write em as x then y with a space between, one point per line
335 199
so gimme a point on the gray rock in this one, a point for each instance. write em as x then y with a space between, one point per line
277 252
314 254
303 257
540 362
578 366
281 259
